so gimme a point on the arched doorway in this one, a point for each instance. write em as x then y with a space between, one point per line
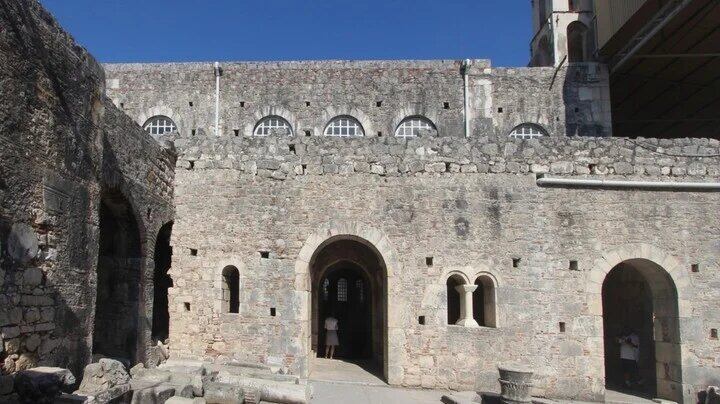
117 304
639 297
161 283
349 281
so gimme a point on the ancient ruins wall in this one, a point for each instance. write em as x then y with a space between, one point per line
473 205
62 143
308 94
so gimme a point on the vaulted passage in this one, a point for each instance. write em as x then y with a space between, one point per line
349 283
161 283
639 298
118 281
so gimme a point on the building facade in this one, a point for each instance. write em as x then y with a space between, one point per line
453 216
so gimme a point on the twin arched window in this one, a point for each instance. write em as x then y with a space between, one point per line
483 309
273 125
159 125
527 131
415 126
344 126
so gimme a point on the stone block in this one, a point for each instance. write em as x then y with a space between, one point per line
223 393
103 376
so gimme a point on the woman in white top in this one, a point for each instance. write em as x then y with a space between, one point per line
331 336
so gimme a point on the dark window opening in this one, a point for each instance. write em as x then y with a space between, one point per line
307 103
562 326
161 283
695 267
187 306
237 132
272 312
574 265
500 110
190 103
714 333
378 104
193 251
308 133
291 147
446 105
192 132
242 104
429 261
264 254
516 262
453 299
421 320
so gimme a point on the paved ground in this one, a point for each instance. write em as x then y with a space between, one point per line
339 392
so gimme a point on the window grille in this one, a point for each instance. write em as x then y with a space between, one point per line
159 125
273 125
325 287
528 131
342 292
344 126
414 126
360 290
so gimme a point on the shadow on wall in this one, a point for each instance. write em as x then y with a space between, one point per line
579 99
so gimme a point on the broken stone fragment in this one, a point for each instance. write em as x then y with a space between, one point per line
102 376
43 384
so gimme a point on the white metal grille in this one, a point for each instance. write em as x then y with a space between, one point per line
360 291
412 127
344 126
159 125
342 292
528 131
273 125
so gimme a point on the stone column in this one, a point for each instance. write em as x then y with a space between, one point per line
466 305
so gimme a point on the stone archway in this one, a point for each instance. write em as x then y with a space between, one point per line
363 242
664 285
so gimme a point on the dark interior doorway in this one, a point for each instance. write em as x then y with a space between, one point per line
639 296
161 283
345 294
349 281
117 303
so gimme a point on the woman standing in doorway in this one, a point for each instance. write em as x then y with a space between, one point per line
331 336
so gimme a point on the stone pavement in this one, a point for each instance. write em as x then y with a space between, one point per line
348 393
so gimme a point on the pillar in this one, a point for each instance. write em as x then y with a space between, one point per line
466 305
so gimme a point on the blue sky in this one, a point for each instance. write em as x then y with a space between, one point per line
208 30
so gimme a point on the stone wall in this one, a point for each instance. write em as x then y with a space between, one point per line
63 147
380 94
471 204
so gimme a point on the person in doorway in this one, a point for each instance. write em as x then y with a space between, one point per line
629 357
331 336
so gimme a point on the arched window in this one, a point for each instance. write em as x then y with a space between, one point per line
231 289
577 40
415 126
159 125
273 125
344 126
484 302
326 289
453 299
360 290
342 292
528 131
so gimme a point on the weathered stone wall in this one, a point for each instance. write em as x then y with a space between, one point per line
570 101
473 205
62 145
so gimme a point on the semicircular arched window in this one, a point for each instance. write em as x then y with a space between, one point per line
344 126
273 125
527 131
415 126
159 125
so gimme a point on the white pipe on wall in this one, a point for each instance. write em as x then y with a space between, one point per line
588 183
466 67
218 73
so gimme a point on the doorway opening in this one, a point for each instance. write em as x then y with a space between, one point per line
349 283
161 283
117 305
639 297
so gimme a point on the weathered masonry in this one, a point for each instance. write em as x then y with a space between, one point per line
451 214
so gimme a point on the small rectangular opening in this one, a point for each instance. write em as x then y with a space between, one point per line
447 166
446 105
264 254
304 167
379 134
192 164
291 147
308 132
695 267
193 252
516 262
421 320
713 333
378 104
236 132
122 105
577 109
573 265
429 261
190 103
500 110
307 103
242 104
562 326
193 132
272 311
187 306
